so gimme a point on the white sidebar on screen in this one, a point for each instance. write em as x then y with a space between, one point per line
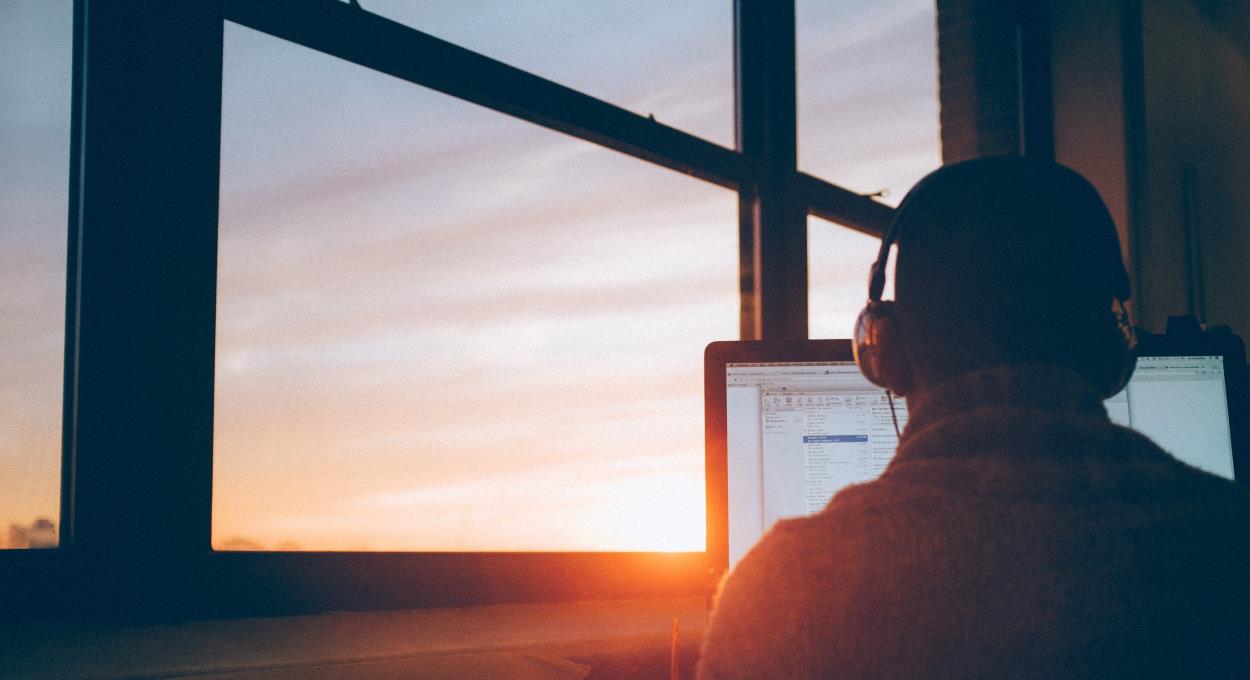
1180 402
797 433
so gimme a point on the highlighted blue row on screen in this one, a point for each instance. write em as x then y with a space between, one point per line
835 439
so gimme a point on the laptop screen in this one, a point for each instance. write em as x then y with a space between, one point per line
797 432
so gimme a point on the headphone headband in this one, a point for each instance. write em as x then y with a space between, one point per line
1121 288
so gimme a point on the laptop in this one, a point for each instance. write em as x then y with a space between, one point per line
791 423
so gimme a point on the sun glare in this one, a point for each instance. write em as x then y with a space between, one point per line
661 513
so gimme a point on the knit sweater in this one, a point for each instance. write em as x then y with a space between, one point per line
1016 533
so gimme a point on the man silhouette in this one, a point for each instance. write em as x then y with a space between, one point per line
1017 532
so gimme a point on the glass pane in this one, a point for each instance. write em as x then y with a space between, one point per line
440 328
35 49
867 93
838 260
673 60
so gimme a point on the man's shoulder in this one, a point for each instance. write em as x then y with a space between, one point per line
1053 456
820 553
1140 467
764 610
925 535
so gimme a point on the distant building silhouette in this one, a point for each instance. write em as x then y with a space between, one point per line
240 543
40 534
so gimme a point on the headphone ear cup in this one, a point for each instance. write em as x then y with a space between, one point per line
878 352
864 342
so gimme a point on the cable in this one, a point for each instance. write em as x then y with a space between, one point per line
893 416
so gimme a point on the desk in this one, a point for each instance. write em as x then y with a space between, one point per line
590 640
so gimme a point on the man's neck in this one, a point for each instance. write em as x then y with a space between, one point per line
1029 386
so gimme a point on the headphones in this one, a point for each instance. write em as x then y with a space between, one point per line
877 342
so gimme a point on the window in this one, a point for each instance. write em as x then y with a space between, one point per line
34 155
402 240
670 60
867 93
868 121
441 328
837 269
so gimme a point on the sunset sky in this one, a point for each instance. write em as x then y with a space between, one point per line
34 177
442 328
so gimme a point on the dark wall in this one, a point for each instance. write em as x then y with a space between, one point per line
1194 239
1150 99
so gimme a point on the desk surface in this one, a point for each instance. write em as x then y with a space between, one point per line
564 640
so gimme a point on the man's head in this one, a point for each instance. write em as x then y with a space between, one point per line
1001 260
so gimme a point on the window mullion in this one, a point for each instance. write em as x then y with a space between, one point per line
772 213
145 159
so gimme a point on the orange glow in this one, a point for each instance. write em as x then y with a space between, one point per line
594 508
656 513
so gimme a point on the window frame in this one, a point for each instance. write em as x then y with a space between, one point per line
141 300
